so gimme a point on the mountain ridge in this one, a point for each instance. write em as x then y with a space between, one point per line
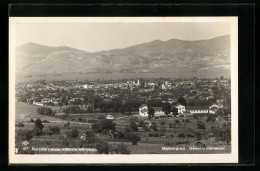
172 55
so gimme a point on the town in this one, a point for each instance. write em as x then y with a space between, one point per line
198 95
167 112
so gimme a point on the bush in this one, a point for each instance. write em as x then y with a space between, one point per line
44 111
181 135
45 121
122 149
163 123
102 125
132 137
54 129
177 121
102 148
195 116
101 117
38 126
134 127
187 120
201 125
73 134
190 135
92 121
162 130
154 127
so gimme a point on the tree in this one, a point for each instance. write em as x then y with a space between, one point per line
150 112
132 137
154 127
181 135
122 149
44 111
166 108
73 134
38 126
175 111
54 129
201 125
182 101
90 138
122 110
224 135
102 125
134 127
102 148
198 136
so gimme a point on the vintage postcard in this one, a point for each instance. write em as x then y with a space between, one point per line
88 90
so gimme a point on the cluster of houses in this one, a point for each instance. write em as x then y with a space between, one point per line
44 101
182 110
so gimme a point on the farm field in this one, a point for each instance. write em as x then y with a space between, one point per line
151 142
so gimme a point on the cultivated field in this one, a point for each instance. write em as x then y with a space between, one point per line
152 142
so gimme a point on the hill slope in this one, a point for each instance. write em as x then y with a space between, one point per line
173 56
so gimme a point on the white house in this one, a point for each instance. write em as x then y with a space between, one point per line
110 117
158 111
214 106
197 109
180 108
143 110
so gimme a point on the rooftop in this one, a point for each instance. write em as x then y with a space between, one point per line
197 108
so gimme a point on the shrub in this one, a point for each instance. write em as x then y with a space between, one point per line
92 121
74 133
122 149
132 137
163 123
38 126
190 135
101 117
54 129
102 125
181 135
134 127
102 148
44 111
45 121
156 135
80 119
201 125
162 130
154 127
187 120
195 116
177 121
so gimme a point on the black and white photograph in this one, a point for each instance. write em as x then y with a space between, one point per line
123 89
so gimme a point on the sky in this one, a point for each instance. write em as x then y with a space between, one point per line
97 36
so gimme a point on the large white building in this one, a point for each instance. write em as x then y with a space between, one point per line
143 110
181 108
